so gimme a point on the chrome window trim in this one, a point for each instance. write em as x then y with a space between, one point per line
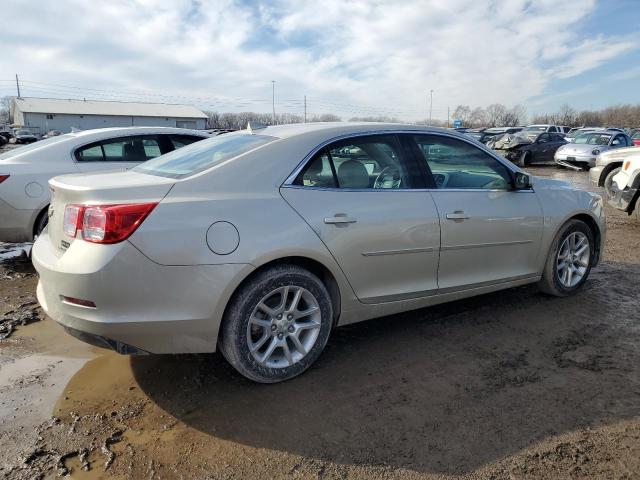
288 183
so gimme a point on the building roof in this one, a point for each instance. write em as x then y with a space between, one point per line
95 107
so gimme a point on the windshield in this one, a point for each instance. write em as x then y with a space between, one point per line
23 132
202 155
593 138
34 146
535 128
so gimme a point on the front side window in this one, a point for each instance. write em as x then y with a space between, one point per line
455 164
202 155
368 162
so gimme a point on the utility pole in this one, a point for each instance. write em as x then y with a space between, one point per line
448 116
18 85
273 99
305 109
430 105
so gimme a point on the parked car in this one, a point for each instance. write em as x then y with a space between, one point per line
532 131
636 138
608 165
574 132
523 151
3 140
260 242
25 171
582 152
52 133
624 191
24 136
475 133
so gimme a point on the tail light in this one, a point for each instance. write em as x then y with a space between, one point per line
3 178
105 223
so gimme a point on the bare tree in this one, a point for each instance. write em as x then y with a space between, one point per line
5 110
495 114
462 113
478 117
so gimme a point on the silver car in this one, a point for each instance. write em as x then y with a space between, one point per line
586 147
259 242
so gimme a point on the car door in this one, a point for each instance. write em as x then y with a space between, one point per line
365 199
490 233
543 149
119 153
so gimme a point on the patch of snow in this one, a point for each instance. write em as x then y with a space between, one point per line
13 250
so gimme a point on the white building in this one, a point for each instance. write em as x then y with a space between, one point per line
43 114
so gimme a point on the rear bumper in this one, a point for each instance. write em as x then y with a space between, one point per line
16 225
140 305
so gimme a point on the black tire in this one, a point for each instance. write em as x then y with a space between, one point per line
233 339
41 222
636 208
550 282
525 159
608 180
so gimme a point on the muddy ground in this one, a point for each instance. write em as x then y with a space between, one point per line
508 385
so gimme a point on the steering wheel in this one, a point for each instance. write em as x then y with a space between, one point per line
389 177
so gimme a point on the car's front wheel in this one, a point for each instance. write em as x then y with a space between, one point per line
277 324
570 259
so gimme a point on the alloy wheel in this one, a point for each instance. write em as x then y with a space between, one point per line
573 259
284 327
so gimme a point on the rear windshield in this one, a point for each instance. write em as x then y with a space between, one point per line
199 156
34 146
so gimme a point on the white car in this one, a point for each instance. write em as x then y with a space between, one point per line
624 191
25 171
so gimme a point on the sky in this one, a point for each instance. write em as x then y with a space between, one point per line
351 58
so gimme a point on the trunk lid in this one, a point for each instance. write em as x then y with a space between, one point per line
108 188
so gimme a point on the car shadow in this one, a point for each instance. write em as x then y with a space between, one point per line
445 389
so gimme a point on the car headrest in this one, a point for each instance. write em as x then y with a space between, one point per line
353 174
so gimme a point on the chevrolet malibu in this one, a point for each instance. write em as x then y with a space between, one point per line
258 243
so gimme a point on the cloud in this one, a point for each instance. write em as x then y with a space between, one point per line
352 58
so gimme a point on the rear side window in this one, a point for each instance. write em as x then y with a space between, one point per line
202 155
368 162
124 149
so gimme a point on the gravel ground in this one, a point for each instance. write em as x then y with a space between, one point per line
508 385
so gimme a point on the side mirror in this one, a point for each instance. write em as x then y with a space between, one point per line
521 181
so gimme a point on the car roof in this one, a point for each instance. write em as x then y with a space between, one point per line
134 130
344 128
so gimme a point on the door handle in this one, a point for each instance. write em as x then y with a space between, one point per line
457 215
339 219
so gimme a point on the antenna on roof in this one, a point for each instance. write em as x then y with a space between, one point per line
253 125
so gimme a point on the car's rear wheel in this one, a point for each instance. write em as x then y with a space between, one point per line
608 180
525 159
277 324
570 259
41 223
